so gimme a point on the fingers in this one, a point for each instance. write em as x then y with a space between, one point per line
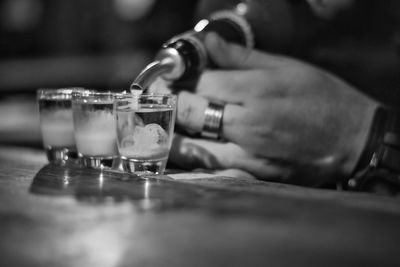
234 86
226 86
189 153
232 127
190 115
230 55
190 111
191 107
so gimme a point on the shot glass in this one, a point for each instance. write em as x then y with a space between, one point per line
95 128
56 123
145 124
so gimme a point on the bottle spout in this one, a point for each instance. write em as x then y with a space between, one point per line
168 63
150 73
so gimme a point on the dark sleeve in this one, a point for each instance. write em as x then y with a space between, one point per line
362 46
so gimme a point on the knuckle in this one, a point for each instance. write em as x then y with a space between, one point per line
185 113
188 113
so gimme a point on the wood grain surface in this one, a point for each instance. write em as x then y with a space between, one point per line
53 215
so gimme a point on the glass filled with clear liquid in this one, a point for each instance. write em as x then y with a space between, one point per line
145 125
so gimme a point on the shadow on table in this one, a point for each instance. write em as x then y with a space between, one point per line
218 195
96 186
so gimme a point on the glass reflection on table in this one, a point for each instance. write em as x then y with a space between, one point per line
112 186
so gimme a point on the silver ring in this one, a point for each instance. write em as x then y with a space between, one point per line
213 115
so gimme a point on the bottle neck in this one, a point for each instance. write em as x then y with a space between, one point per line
185 56
190 45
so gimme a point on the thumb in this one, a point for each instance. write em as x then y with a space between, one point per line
224 54
234 56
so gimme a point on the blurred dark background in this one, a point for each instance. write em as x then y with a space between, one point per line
95 43
100 44
104 44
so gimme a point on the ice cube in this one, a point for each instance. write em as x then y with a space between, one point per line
148 141
156 134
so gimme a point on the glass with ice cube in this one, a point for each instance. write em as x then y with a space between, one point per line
95 128
56 123
145 124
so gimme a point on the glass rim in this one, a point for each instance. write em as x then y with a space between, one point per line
92 93
57 93
135 102
147 95
91 97
61 90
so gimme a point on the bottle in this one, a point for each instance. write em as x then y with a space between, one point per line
262 24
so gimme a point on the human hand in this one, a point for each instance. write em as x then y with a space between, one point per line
284 119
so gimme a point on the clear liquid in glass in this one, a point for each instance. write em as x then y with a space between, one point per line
144 137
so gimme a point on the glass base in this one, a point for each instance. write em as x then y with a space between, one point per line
99 162
143 167
61 155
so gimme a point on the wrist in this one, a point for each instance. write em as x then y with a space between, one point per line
374 139
356 134
379 162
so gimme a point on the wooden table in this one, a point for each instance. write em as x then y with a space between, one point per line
72 216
